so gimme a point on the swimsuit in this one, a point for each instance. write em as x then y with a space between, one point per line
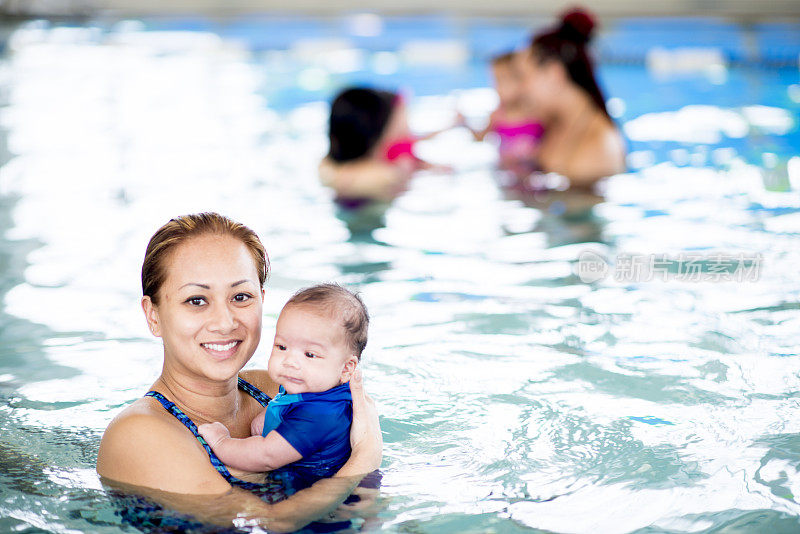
399 148
518 139
518 143
147 515
317 425
352 203
261 489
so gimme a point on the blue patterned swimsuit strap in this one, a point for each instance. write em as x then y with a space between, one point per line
254 392
168 405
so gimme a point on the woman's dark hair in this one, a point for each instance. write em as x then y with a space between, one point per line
567 44
358 118
182 229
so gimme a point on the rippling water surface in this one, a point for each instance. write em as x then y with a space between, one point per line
513 395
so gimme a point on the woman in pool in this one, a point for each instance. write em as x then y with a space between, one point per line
371 156
202 280
580 140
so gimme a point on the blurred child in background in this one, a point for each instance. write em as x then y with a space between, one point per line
513 123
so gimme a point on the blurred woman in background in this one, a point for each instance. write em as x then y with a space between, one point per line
581 141
371 155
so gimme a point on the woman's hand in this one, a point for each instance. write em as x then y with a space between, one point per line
365 433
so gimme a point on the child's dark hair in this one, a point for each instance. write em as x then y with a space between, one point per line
567 43
340 303
358 118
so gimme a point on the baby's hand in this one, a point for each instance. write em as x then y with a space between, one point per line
213 433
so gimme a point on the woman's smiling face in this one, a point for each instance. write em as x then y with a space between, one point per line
210 306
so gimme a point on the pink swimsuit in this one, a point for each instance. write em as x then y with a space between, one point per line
403 147
518 139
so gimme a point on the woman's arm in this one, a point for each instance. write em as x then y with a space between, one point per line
477 135
241 508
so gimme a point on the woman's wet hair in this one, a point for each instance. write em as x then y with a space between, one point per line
181 229
567 43
339 303
358 119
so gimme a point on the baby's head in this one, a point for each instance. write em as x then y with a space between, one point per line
319 338
506 78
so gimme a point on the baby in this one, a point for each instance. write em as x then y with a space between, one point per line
320 335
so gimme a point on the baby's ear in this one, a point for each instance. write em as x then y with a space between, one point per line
349 368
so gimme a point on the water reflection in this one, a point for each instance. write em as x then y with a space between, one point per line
23 353
361 222
568 217
513 395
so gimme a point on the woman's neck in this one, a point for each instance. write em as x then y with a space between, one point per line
203 400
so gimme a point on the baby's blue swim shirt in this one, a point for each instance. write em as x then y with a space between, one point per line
317 425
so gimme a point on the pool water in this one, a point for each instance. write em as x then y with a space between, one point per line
515 393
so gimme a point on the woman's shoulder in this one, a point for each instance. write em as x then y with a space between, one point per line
601 153
145 446
143 414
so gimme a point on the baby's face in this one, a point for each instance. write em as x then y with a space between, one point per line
310 353
506 82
